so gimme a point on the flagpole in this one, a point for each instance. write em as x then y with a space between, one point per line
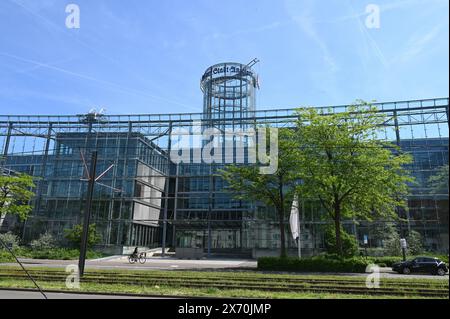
299 242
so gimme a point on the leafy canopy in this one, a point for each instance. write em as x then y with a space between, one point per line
438 182
15 193
345 165
349 242
274 190
74 235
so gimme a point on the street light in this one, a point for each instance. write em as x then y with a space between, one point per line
403 244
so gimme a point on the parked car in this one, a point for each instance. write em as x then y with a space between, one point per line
421 265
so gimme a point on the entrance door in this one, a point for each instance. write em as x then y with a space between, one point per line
225 239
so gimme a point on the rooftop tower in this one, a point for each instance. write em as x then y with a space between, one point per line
229 91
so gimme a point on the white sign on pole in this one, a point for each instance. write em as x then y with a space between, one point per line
403 243
366 239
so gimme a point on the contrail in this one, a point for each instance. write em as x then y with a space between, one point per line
123 89
89 78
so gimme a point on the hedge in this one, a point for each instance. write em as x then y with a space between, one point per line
62 254
387 261
314 264
54 253
329 263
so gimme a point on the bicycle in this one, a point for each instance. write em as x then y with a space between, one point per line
134 258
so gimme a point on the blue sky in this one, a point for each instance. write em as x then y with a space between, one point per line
141 56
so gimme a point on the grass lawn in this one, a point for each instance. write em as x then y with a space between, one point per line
216 276
230 273
188 292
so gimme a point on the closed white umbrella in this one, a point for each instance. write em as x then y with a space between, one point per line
294 221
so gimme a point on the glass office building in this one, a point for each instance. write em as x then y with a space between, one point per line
146 199
128 197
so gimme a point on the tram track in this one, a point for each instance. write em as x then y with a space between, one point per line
336 286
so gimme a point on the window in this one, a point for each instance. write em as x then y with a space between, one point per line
428 260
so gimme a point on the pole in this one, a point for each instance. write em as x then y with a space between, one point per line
404 246
211 183
299 241
366 243
87 215
166 194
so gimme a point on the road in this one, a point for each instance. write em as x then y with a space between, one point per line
152 263
22 294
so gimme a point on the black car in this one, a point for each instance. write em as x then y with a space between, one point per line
421 265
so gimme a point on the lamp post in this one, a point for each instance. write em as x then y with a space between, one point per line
366 243
403 244
87 216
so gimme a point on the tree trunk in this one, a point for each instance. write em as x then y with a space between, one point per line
281 218
337 227
282 233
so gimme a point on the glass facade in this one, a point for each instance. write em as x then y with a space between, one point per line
145 199
127 198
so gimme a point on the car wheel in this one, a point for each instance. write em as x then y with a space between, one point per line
441 272
406 271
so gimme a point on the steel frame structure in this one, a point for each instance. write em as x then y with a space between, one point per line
37 135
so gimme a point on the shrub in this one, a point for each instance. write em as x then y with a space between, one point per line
349 242
57 253
74 235
329 263
372 251
386 261
314 264
45 241
389 260
392 245
10 240
381 232
6 257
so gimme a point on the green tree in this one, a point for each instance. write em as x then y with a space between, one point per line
343 163
391 243
349 242
438 182
273 190
414 241
381 231
74 234
15 193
